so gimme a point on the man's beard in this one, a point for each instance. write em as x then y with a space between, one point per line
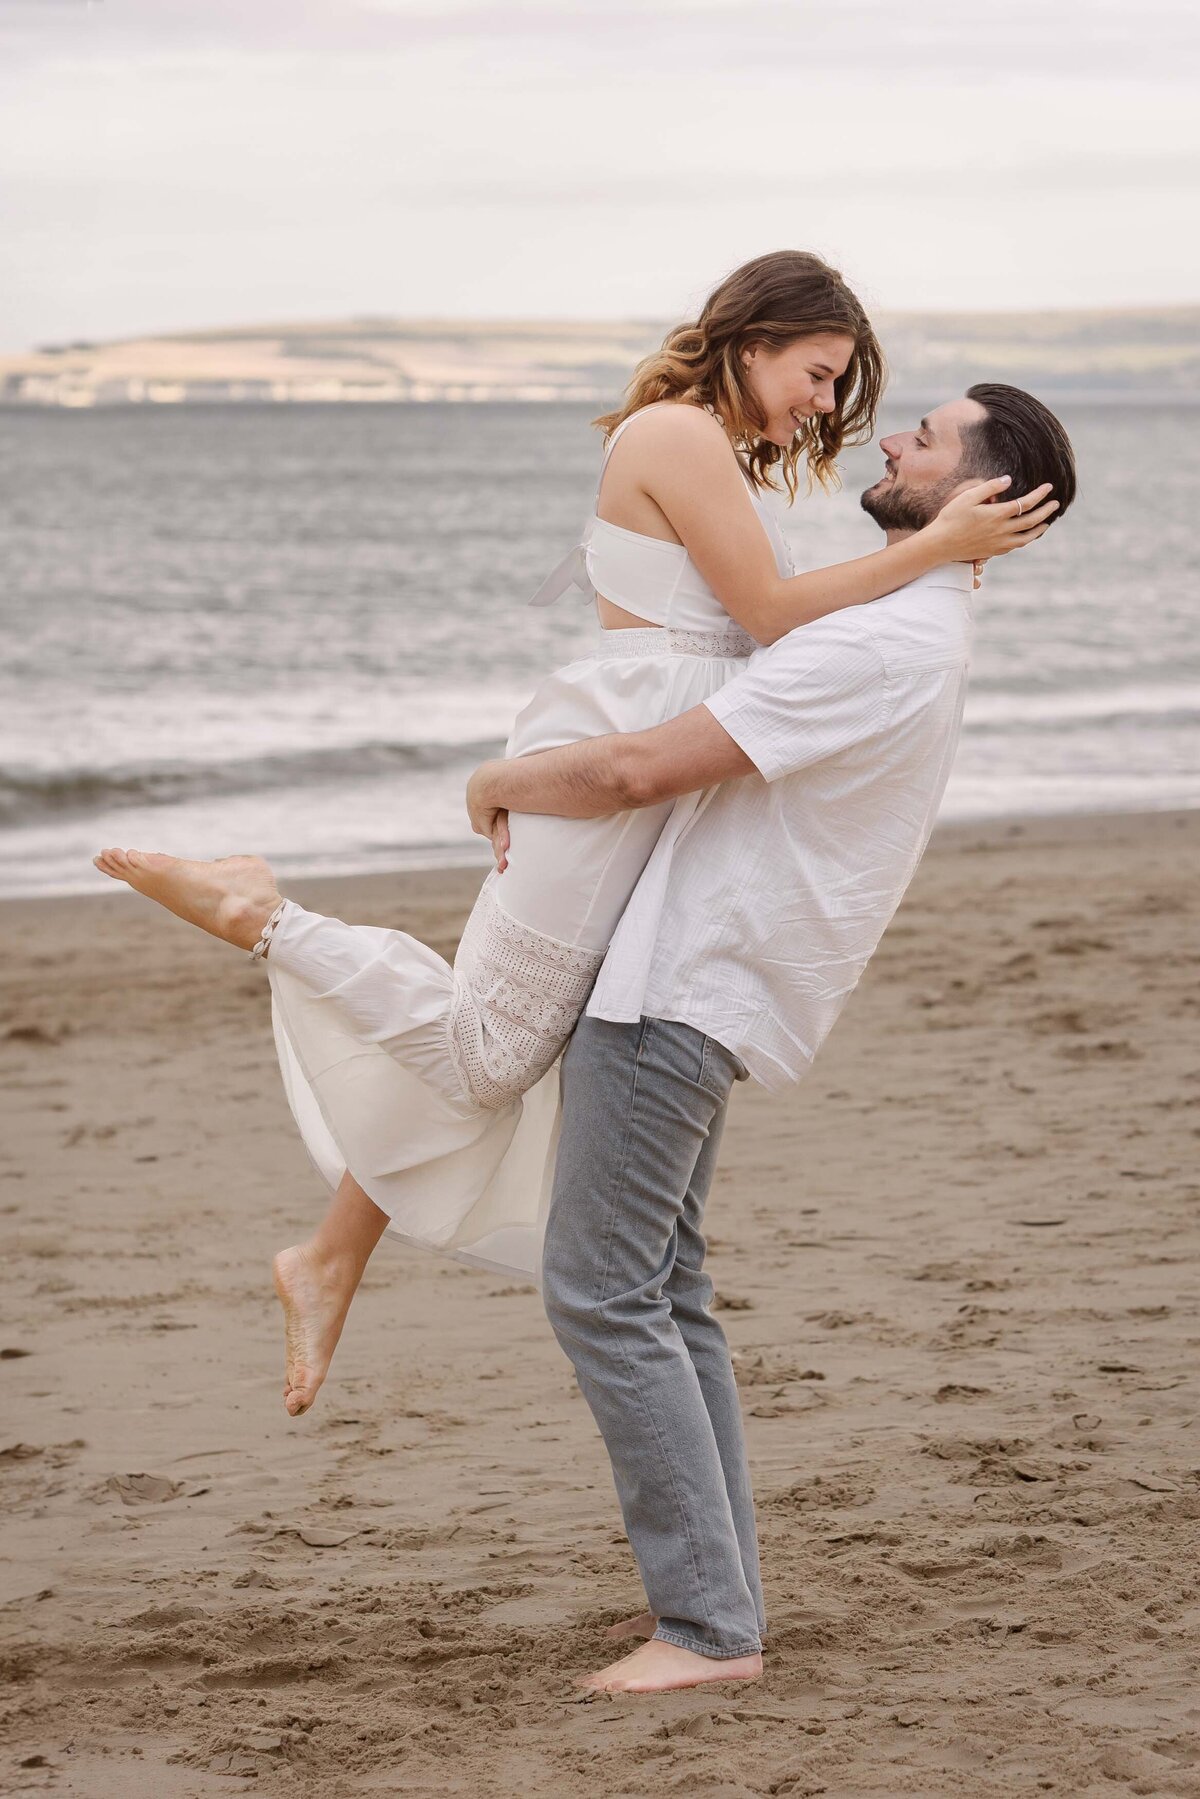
896 508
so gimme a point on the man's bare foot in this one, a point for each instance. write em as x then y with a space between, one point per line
658 1667
644 1625
315 1299
231 898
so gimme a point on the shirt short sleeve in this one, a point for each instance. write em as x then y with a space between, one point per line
807 697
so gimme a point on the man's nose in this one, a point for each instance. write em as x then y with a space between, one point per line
891 447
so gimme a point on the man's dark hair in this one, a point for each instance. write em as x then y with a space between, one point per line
1019 437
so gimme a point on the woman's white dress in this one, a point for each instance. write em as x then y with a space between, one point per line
437 1085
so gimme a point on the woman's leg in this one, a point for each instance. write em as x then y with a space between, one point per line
316 1282
571 878
231 898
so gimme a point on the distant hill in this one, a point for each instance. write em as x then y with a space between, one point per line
1152 352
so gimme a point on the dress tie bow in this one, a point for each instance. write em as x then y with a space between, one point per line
570 572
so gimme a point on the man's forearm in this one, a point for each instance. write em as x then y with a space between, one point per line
618 773
580 780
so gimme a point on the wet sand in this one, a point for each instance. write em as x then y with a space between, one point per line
959 1269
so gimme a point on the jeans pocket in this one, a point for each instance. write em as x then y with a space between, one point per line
719 1069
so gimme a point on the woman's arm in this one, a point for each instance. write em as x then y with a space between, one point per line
691 477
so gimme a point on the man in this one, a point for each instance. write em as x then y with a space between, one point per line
753 921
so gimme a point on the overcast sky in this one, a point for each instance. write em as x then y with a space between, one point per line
167 164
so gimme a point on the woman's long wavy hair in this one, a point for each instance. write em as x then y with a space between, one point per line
773 300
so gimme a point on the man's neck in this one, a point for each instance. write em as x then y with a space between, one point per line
895 535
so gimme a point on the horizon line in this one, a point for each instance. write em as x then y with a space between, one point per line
638 320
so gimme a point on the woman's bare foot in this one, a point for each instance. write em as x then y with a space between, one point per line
231 898
315 1297
644 1625
658 1667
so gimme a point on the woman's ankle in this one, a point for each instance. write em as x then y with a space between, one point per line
334 1264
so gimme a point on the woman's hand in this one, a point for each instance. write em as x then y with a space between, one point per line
975 525
487 818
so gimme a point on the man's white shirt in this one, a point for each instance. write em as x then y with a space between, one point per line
764 898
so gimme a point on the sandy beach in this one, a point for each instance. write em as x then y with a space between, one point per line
958 1268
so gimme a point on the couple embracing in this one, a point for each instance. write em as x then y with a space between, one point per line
701 828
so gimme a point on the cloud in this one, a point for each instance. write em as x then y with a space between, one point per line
168 164
711 187
1110 38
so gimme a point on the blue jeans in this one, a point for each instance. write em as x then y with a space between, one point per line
625 1292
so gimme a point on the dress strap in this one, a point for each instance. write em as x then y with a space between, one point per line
572 570
608 448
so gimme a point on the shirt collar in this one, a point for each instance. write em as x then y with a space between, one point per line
958 575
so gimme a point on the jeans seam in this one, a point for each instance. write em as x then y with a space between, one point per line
684 1642
616 1336
624 1156
629 1369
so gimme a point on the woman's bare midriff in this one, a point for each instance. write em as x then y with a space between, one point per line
615 618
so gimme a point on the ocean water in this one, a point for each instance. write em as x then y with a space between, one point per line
296 629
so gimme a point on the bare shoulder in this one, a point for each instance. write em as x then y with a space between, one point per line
676 431
676 421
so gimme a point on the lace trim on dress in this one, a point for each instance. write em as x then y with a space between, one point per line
673 640
517 997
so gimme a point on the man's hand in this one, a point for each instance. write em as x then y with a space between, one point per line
500 840
488 817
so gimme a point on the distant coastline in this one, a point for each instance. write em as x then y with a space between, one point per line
1146 353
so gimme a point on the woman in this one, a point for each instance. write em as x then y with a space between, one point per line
426 1094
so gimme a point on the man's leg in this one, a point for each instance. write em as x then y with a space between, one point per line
638 1103
690 1291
